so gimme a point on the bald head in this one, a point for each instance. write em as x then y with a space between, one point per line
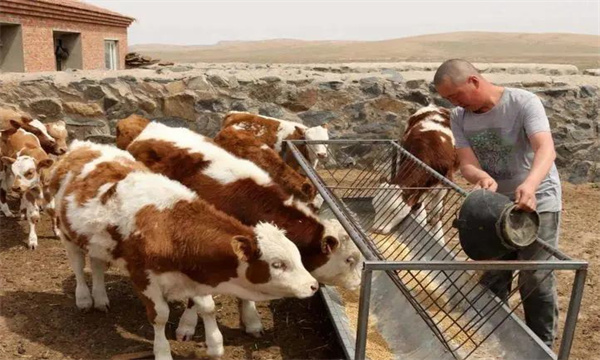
455 70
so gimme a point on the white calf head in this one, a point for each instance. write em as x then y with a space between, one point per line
344 260
24 171
271 263
58 130
390 208
318 133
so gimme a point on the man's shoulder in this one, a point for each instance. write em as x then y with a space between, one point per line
519 96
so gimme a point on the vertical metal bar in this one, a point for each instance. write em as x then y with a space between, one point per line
572 313
363 314
394 164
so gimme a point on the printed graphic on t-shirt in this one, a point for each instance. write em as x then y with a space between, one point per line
493 152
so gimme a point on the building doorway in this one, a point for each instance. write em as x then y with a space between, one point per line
67 50
11 48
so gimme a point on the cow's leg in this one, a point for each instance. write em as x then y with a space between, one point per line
3 204
436 215
157 310
83 298
98 287
33 217
214 338
4 186
187 322
250 318
51 210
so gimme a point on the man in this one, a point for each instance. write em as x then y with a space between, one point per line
504 144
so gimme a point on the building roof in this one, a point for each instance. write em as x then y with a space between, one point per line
66 10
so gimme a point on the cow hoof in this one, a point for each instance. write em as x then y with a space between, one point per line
184 333
102 307
257 332
84 301
32 246
215 353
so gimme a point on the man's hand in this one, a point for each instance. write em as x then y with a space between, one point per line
525 197
486 183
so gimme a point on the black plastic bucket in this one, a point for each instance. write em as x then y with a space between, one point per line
489 226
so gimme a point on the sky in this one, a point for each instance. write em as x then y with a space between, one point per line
208 22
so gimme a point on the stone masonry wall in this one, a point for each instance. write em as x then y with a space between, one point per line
357 101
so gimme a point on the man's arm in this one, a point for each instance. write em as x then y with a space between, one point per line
544 155
471 170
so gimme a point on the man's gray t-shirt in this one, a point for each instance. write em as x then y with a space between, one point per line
499 139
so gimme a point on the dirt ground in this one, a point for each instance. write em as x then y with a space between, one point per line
39 320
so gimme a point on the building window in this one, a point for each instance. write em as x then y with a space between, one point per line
111 58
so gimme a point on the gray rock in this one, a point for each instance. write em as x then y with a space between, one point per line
175 122
109 101
213 104
209 124
180 105
418 97
199 83
108 81
371 86
94 92
46 106
580 172
356 111
415 84
557 92
316 118
333 85
439 101
392 75
588 91
101 139
271 79
180 68
375 128
128 79
239 106
271 110
217 80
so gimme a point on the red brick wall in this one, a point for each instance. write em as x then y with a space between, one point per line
38 45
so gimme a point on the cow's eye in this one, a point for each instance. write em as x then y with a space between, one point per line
351 260
278 265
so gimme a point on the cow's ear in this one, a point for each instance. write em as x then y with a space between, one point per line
8 160
329 244
46 163
26 119
245 248
9 132
308 189
15 124
325 126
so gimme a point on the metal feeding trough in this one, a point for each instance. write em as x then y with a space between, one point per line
420 292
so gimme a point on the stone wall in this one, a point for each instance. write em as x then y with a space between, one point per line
358 101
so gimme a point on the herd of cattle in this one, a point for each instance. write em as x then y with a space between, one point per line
188 217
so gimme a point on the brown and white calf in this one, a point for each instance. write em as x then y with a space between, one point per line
52 136
245 145
240 188
23 161
429 138
173 245
273 132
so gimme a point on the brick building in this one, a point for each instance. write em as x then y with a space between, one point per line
48 35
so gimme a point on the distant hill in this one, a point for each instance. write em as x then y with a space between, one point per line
580 50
